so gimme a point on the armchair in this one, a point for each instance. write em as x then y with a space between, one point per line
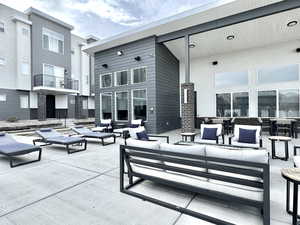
237 141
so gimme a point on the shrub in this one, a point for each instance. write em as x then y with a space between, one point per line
12 119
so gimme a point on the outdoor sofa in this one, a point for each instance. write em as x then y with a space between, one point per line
87 133
49 136
11 148
241 176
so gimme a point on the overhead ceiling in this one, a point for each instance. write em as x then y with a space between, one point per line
256 33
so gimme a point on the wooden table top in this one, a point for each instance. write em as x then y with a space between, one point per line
187 134
280 138
291 173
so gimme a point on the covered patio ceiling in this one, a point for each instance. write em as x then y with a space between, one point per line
252 34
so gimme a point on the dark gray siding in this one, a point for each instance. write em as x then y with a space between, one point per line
11 107
40 55
144 48
71 106
167 87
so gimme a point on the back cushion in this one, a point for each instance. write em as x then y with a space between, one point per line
143 144
247 136
218 126
258 156
133 131
194 149
248 127
209 133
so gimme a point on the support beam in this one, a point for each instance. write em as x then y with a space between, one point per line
267 10
187 58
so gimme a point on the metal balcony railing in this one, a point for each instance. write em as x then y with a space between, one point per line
44 80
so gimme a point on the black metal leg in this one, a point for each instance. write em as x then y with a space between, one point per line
286 150
273 149
288 199
12 164
295 204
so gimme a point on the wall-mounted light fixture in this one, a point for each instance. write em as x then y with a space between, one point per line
138 58
104 66
292 23
185 96
120 53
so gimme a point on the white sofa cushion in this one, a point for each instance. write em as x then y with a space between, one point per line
297 161
248 145
218 126
248 127
133 131
155 145
193 149
121 130
105 121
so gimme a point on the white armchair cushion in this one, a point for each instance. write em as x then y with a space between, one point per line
133 131
218 126
248 127
297 161
106 121
143 144
247 145
137 122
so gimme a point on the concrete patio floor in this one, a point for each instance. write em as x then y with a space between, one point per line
83 189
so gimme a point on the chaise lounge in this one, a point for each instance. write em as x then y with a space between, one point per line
50 136
87 133
10 148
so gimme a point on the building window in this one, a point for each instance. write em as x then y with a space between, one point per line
267 103
2 61
106 106
23 101
53 41
139 75
278 74
53 70
223 105
122 106
1 27
231 79
106 80
2 98
240 104
25 68
121 78
25 31
288 103
84 104
139 103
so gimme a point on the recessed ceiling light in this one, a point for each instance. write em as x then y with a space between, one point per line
230 37
192 45
292 23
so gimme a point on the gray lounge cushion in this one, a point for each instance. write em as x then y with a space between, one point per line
64 140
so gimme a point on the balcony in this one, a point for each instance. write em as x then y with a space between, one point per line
51 83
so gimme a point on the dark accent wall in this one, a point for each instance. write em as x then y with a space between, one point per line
71 106
167 90
42 113
11 107
144 48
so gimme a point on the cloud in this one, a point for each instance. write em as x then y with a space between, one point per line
105 18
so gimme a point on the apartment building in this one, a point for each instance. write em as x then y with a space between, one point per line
44 72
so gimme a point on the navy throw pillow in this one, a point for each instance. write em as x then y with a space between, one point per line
134 125
143 136
104 124
209 133
247 136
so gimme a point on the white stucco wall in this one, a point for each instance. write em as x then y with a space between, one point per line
203 73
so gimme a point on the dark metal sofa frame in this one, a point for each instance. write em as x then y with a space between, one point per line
126 135
127 154
70 151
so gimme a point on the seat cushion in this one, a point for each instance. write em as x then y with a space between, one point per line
247 136
155 145
17 149
297 161
133 131
209 133
244 145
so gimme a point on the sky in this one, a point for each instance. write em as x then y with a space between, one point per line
105 18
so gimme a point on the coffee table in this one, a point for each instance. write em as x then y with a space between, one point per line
284 139
185 136
292 175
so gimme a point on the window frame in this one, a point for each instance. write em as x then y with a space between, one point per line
111 76
132 109
112 111
27 102
247 72
132 74
116 114
54 35
115 77
63 75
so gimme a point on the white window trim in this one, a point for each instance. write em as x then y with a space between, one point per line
111 75
112 111
46 31
141 67
116 114
115 77
132 109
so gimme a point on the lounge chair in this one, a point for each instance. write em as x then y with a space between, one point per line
11 148
134 124
206 136
87 133
105 126
50 136
244 141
